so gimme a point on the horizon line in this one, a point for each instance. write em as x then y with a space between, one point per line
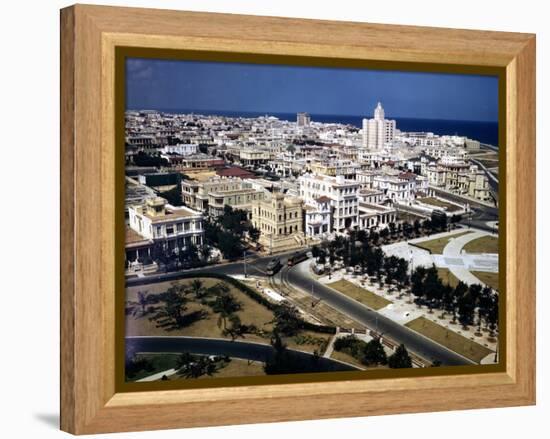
272 113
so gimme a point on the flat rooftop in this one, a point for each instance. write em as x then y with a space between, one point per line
171 213
133 237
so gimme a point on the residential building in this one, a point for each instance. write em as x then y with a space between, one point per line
341 192
181 149
253 157
475 184
235 171
372 213
318 217
461 178
156 222
196 194
332 168
244 199
279 219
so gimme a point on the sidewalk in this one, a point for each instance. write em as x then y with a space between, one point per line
157 376
402 310
460 264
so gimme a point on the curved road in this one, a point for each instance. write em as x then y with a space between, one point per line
423 347
255 266
454 248
235 349
299 277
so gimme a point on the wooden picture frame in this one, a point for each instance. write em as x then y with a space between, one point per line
90 36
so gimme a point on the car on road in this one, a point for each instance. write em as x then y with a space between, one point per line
273 266
318 269
296 258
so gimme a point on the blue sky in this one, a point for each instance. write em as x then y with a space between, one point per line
235 87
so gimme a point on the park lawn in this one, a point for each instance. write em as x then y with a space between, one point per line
438 203
485 244
160 362
235 368
447 277
488 278
347 358
446 337
308 341
251 313
359 294
437 245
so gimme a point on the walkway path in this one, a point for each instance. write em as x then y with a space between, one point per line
157 376
460 264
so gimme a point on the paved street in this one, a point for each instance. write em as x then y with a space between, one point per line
216 346
299 277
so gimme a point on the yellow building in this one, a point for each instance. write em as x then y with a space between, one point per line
280 222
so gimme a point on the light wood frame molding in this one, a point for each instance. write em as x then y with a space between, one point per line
89 36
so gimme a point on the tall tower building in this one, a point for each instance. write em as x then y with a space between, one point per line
379 112
379 130
303 119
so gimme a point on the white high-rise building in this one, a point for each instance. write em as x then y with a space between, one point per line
379 130
303 119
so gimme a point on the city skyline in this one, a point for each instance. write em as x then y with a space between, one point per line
241 88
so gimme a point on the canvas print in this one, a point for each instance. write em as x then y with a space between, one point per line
288 219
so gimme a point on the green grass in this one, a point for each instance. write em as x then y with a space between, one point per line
437 245
160 362
491 279
444 336
251 313
235 368
347 358
485 244
439 203
447 277
359 294
308 341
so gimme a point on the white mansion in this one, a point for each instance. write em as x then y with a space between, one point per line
175 228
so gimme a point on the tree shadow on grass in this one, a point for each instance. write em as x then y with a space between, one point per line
171 324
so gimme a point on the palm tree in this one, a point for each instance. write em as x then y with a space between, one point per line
236 328
175 304
143 299
197 288
198 367
184 360
225 304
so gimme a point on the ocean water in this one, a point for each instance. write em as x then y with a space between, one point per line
485 132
